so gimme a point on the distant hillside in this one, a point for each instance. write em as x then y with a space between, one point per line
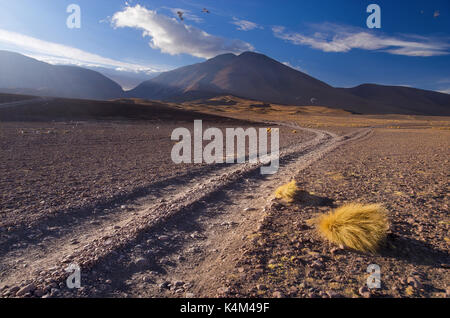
23 75
404 99
256 76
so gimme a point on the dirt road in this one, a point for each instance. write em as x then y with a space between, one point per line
176 240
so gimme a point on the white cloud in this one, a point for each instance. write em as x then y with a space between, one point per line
334 38
244 25
55 53
298 68
445 91
174 37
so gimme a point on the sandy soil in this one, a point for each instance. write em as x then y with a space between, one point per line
92 183
63 180
407 171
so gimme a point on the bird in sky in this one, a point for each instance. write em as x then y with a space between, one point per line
205 10
180 15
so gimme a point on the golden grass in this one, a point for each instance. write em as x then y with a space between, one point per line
288 192
357 226
312 116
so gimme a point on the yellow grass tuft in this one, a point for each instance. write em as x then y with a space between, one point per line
357 226
288 192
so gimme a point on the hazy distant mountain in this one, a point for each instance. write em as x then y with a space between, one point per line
126 79
23 75
404 99
256 76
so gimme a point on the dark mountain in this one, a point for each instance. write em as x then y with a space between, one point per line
404 99
23 75
249 75
256 76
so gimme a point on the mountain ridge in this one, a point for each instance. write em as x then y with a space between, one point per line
249 75
256 76
24 75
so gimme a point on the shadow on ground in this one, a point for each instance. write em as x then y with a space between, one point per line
414 251
304 198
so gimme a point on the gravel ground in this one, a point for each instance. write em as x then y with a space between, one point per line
407 171
95 233
52 167
95 175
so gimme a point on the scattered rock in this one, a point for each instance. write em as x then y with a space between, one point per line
261 287
26 289
413 281
148 279
277 294
54 292
333 294
14 290
141 262
195 250
178 283
164 285
316 264
364 292
223 290
293 290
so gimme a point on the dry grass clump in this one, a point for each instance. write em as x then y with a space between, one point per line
288 192
357 226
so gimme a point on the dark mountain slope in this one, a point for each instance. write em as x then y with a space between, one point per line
256 76
21 74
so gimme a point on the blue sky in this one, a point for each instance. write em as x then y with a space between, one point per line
327 39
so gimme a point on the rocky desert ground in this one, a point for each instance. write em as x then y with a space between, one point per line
92 183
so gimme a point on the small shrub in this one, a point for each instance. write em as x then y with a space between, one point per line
288 192
357 226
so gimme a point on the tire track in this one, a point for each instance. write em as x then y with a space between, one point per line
100 242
